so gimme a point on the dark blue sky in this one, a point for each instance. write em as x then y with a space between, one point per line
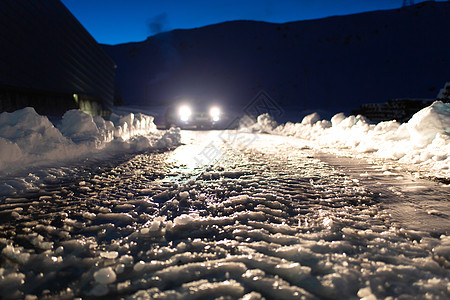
121 21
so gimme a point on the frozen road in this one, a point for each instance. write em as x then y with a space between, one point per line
228 215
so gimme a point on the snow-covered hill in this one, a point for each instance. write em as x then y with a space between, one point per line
326 65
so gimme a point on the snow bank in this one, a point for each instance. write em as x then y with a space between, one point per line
423 143
29 139
263 124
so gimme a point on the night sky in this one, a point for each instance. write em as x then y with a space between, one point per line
121 21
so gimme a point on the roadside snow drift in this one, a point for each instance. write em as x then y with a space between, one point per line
422 143
29 139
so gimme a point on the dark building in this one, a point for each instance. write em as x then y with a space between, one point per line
50 62
400 110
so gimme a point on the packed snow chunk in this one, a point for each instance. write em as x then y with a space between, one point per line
387 127
194 270
311 119
139 266
183 195
443 251
126 260
266 123
34 134
170 138
351 121
366 294
79 126
15 254
106 128
20 122
109 254
185 220
99 290
115 218
10 283
297 253
337 119
252 296
9 152
105 276
428 122
203 289
139 143
132 124
236 200
154 226
293 271
274 288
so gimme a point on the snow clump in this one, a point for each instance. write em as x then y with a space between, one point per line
263 124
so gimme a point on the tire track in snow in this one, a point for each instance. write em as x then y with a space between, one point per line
268 221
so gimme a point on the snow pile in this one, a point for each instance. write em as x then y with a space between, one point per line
27 136
423 143
263 124
31 139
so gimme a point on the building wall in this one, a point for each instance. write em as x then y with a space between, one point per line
44 48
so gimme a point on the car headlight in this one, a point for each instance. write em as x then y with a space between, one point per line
184 112
214 112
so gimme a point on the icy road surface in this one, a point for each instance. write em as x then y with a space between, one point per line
253 217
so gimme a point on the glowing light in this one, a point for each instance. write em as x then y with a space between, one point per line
214 112
184 112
